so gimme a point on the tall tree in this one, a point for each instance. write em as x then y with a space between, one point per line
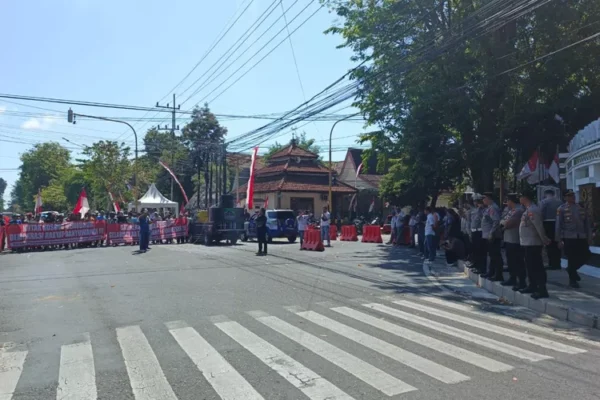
39 166
2 190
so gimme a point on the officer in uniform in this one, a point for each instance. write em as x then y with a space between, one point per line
549 207
479 246
491 232
514 254
533 239
574 234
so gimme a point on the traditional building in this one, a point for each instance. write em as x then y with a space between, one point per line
295 179
366 182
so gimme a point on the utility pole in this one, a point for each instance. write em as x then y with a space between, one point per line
174 127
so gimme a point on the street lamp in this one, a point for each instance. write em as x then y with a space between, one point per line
330 163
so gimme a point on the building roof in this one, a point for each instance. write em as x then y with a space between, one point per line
294 151
371 165
337 166
371 179
291 185
292 167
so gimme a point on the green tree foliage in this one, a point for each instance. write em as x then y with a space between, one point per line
300 140
39 166
2 190
107 167
478 102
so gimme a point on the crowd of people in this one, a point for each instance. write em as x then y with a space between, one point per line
477 232
52 217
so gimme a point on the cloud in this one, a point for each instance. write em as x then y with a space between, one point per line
2 109
38 123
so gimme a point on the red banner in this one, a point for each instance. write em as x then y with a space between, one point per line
160 230
31 235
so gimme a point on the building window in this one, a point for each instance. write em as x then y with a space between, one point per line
302 203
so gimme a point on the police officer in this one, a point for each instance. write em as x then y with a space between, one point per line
479 246
549 207
491 232
574 234
514 254
533 238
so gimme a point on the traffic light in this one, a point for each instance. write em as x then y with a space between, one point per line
70 116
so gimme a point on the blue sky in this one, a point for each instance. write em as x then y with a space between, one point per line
135 52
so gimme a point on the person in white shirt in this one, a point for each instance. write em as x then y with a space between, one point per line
325 222
394 226
430 235
302 221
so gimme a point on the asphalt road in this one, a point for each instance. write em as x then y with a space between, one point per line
358 321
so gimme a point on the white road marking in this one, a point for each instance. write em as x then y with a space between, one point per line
226 381
509 320
364 371
427 341
407 358
11 366
311 384
459 333
145 375
525 337
77 375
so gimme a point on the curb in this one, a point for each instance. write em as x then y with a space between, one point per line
545 306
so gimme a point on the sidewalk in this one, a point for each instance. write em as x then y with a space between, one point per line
581 306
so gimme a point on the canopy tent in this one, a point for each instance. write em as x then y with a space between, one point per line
155 199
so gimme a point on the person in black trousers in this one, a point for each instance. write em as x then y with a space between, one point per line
261 232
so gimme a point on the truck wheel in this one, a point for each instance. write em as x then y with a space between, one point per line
244 237
292 239
233 241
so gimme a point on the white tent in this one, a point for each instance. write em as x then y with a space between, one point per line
155 199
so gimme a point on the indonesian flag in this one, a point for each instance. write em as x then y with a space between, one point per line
266 203
353 203
250 188
553 169
114 203
82 206
38 203
534 171
359 169
372 206
162 163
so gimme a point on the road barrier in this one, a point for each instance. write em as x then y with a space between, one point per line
333 232
312 241
372 234
349 233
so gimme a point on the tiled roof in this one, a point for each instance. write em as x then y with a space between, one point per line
314 168
337 166
372 180
290 186
294 151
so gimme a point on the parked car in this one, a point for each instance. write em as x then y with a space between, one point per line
280 224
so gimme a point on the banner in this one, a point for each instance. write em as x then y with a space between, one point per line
160 230
32 235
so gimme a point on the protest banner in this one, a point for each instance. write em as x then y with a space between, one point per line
159 230
33 235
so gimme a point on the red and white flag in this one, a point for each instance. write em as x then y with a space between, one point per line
250 188
38 203
175 179
553 169
372 206
266 203
359 169
114 203
534 171
82 206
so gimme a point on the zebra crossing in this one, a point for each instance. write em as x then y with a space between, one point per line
374 325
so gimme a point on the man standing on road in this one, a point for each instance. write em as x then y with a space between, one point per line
302 222
430 238
549 208
533 238
514 253
261 232
325 221
491 234
574 234
479 245
144 231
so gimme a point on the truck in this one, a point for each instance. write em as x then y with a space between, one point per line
222 222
